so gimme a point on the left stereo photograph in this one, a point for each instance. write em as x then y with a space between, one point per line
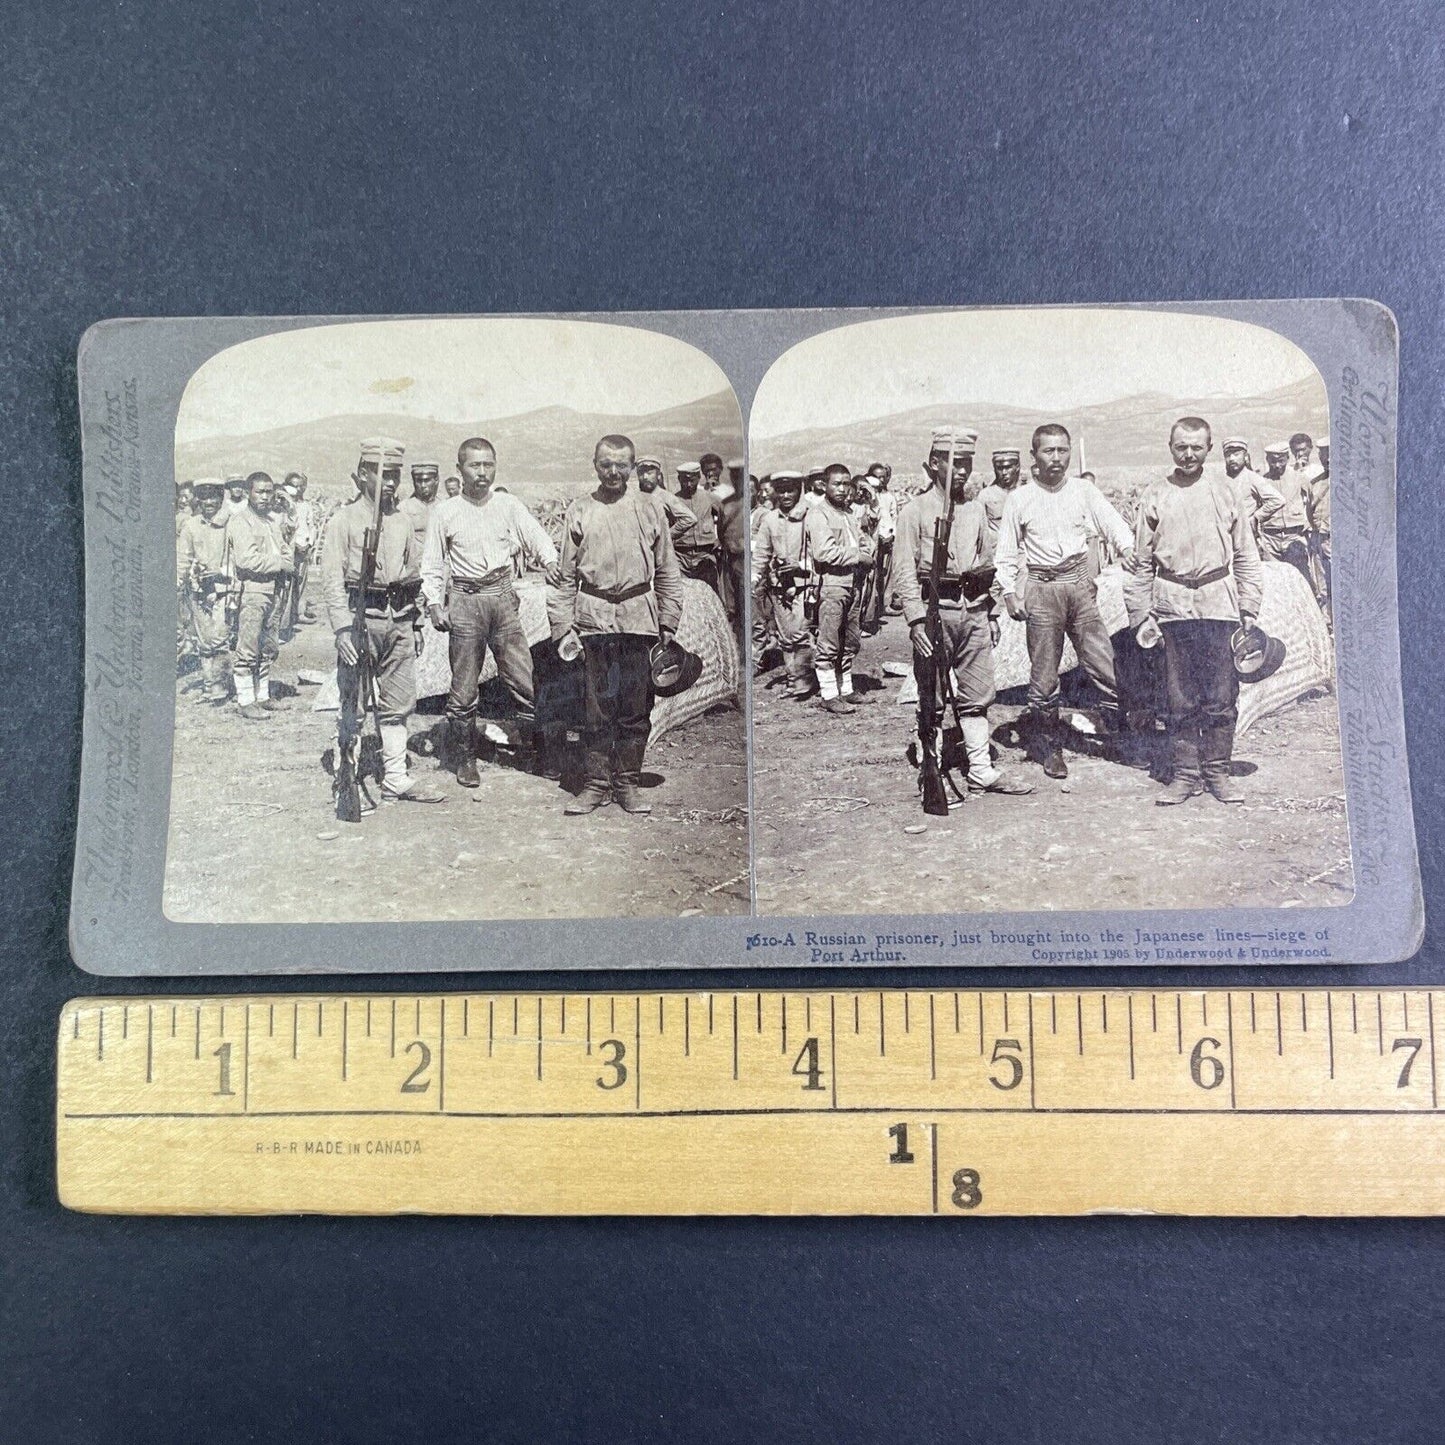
442 651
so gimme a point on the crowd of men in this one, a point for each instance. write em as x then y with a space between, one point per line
834 551
614 591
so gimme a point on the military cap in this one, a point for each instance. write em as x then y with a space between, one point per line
649 462
383 451
235 479
207 484
736 464
1005 452
817 473
785 476
425 465
689 469
1277 449
1232 444
961 438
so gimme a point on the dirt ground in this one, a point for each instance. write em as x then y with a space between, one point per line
254 837
834 795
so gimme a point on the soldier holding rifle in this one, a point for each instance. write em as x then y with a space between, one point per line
780 578
370 585
944 587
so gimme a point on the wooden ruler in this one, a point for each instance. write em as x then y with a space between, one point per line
944 1103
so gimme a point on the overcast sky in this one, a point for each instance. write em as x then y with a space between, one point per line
463 371
1050 361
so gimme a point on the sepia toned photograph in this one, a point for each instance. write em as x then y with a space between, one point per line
1042 618
459 617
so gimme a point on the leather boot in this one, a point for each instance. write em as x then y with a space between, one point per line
1217 745
1186 782
625 784
462 746
597 790
1046 743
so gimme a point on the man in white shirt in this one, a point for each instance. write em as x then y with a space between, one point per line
476 537
1047 526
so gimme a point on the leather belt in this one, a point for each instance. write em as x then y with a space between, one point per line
1075 569
1193 583
615 595
492 582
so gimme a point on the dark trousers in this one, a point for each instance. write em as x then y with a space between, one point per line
882 576
619 702
1201 692
480 620
1066 607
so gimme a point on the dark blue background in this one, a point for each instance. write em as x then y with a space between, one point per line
182 159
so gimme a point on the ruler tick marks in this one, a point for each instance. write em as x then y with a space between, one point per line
417 1021
223 1021
612 1015
760 1013
1033 1089
319 1008
1005 1011
393 1028
785 1025
686 1026
980 1024
587 1023
150 1030
442 1058
1104 1011
173 1020
637 1052
1380 1022
564 1014
491 1024
1153 1013
539 1034
368 1018
1330 1029
125 1021
271 1020
1278 1026
100 1035
857 1027
345 1030
957 1028
932 1043
807 1013
709 1014
517 1015
295 1030
735 1036
882 1031
1053 1014
246 1060
1131 1035
659 1015
466 1017
1204 1008
198 1031
907 1026
833 1048
1304 1018
933 1161
1179 1023
1354 1015
1079 1015
1252 1027
1229 1025
75 1034
1430 1025
1405 1008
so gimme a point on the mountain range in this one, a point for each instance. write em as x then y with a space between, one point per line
1128 433
540 454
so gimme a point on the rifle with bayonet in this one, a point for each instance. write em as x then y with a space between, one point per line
358 692
939 745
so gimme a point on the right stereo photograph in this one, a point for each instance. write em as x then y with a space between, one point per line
1041 618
